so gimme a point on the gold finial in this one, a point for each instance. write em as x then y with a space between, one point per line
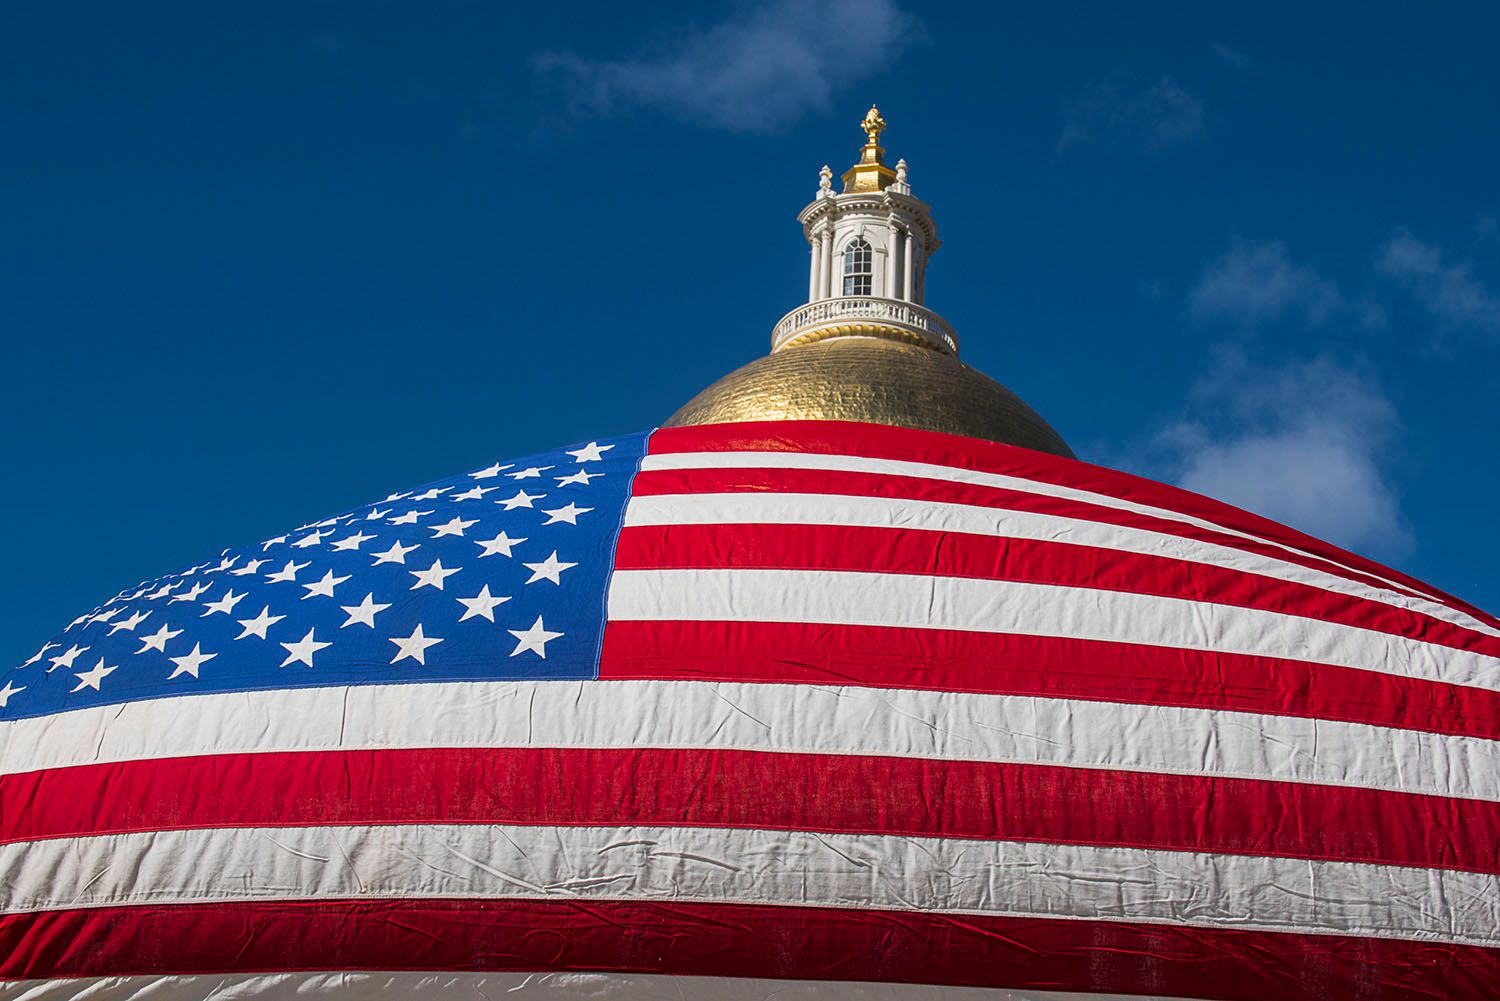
870 173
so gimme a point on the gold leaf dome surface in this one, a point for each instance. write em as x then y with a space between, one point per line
878 381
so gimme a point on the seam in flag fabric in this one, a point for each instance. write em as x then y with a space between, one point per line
811 709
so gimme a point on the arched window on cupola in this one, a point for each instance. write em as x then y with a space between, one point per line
859 267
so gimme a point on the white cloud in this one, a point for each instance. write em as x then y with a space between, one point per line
1233 57
1305 445
755 72
1450 292
1155 119
1257 282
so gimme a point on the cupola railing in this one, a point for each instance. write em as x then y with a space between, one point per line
863 314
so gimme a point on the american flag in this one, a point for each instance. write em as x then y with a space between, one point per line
845 707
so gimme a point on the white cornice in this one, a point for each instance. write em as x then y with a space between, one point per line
883 205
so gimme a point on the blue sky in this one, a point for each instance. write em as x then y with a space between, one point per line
260 264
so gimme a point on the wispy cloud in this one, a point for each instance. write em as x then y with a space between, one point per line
1255 282
755 72
1155 119
1234 57
1448 291
1305 445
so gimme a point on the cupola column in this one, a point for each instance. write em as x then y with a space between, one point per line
817 278
891 292
821 244
906 284
828 263
814 248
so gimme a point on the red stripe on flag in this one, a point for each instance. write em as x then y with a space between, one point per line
737 940
755 789
1053 667
949 554
883 442
862 484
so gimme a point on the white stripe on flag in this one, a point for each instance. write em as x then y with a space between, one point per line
540 986
919 601
747 866
898 467
773 508
821 719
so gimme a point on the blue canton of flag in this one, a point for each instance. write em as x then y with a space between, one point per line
499 573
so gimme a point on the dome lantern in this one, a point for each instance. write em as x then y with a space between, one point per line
869 247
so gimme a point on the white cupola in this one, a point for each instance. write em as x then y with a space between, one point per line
869 249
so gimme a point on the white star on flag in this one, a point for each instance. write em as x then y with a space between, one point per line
592 452
91 678
409 518
323 587
433 576
129 624
225 604
534 639
482 604
258 625
34 658
432 493
9 690
568 513
192 593
414 646
579 477
248 568
490 472
473 493
550 569
189 663
454 527
364 612
302 651
158 640
286 573
499 545
521 499
376 514
272 542
66 658
351 542
532 473
308 541
163 591
395 554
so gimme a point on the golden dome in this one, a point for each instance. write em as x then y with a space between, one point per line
875 380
